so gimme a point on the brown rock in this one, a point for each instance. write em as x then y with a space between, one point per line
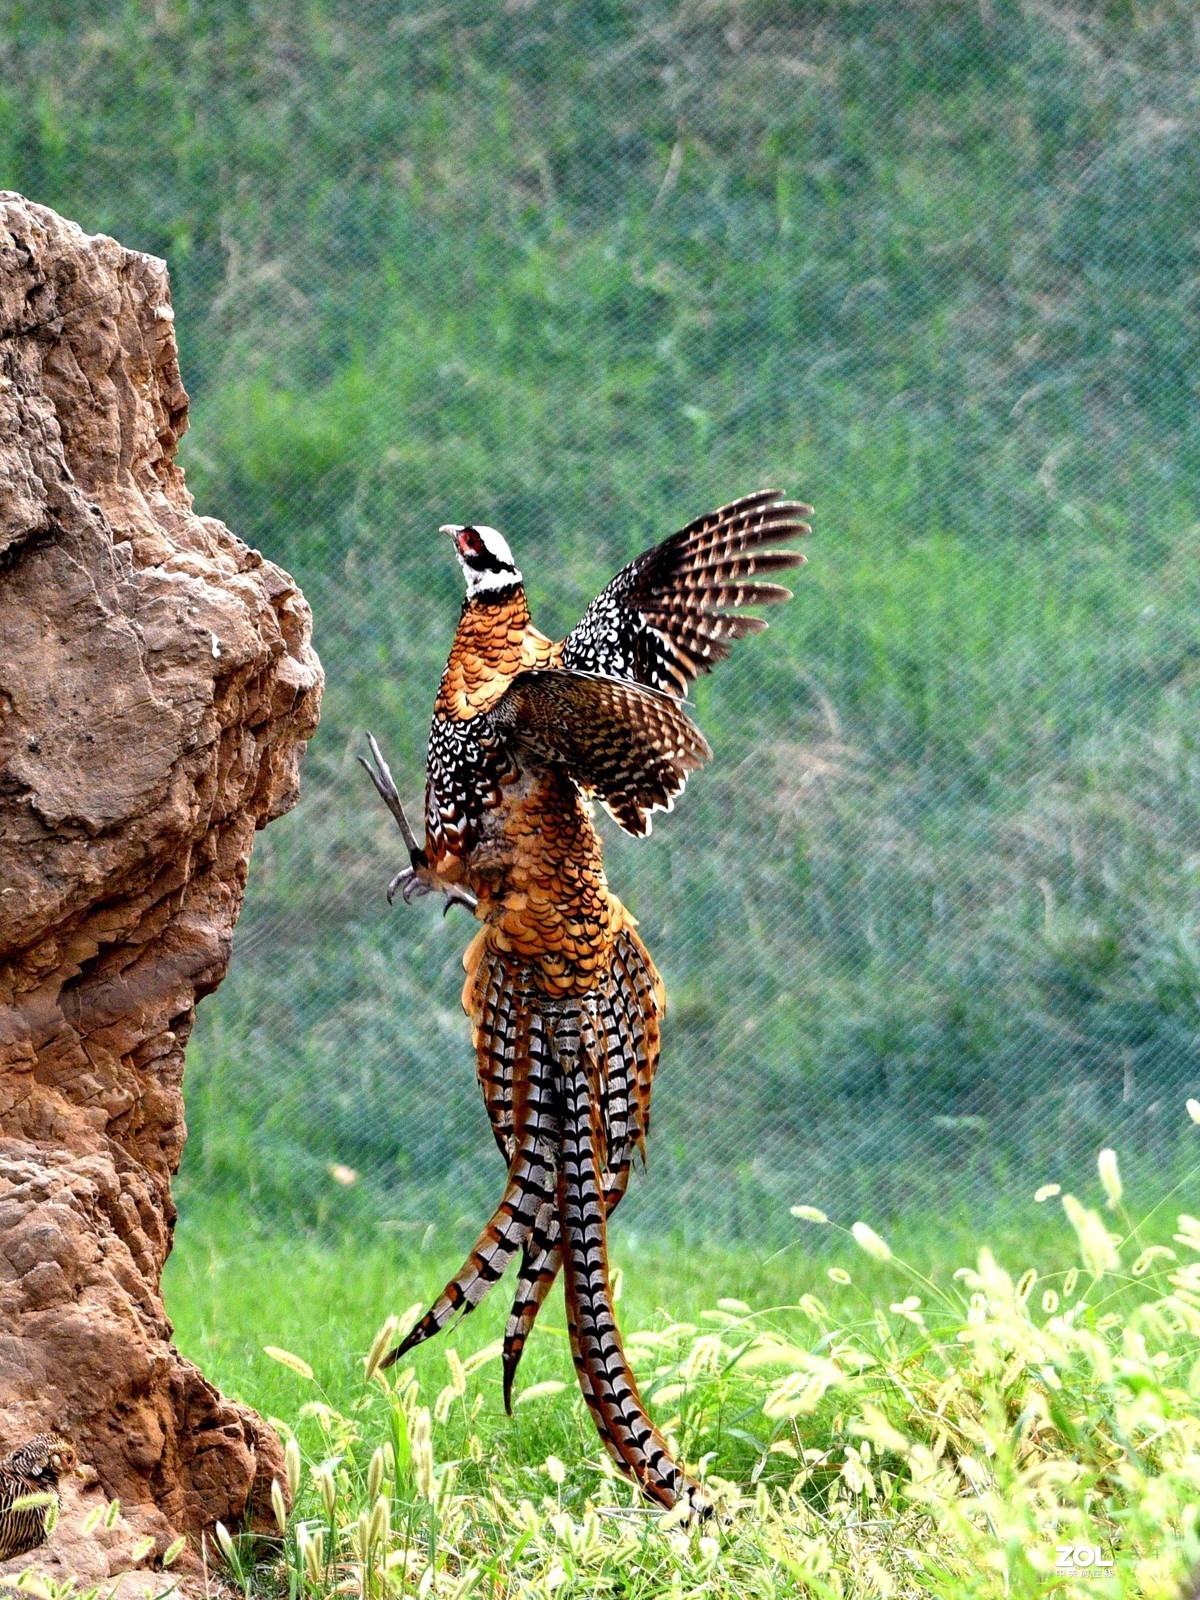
157 686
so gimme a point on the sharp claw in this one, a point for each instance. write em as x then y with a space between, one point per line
411 886
461 897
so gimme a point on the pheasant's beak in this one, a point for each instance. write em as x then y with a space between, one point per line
452 528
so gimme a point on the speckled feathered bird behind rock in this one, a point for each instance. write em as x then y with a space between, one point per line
29 1492
157 685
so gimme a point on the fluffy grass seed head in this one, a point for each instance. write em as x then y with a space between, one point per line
278 1506
376 1470
1095 1242
311 1544
809 1213
285 1358
380 1345
1110 1177
420 1440
870 1243
381 1520
539 1391
326 1486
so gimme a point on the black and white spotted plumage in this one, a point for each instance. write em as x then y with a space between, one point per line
664 618
629 745
467 763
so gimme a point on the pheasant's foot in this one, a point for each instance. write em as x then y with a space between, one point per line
418 878
416 881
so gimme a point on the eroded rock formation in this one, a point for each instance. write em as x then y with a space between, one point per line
157 686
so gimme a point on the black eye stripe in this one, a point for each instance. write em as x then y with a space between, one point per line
484 561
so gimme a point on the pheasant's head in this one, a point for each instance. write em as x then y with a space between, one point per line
44 1459
486 559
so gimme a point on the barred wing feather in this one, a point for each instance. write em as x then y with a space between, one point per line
628 744
671 613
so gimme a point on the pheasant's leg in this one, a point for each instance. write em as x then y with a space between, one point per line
417 878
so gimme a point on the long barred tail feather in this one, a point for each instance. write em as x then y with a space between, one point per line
567 1086
600 1361
540 1263
541 1259
499 1010
531 1178
627 1010
639 991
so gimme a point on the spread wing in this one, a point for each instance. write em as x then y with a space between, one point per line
627 744
662 620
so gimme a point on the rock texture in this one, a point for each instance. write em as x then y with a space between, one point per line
157 686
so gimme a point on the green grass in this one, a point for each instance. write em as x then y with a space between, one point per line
1006 1410
231 1289
929 919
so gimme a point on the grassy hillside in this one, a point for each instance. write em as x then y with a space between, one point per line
921 1419
929 921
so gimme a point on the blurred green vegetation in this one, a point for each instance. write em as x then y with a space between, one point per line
929 922
325 1296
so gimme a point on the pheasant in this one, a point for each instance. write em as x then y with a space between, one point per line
29 1489
564 1000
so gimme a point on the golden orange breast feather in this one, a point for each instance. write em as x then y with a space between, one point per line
493 644
551 907
537 869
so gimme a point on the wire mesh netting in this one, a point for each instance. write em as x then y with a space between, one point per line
928 921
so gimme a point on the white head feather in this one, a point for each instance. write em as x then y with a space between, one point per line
486 560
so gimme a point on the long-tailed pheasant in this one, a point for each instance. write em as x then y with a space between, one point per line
29 1490
564 1000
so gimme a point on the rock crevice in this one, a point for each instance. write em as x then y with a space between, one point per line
157 687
